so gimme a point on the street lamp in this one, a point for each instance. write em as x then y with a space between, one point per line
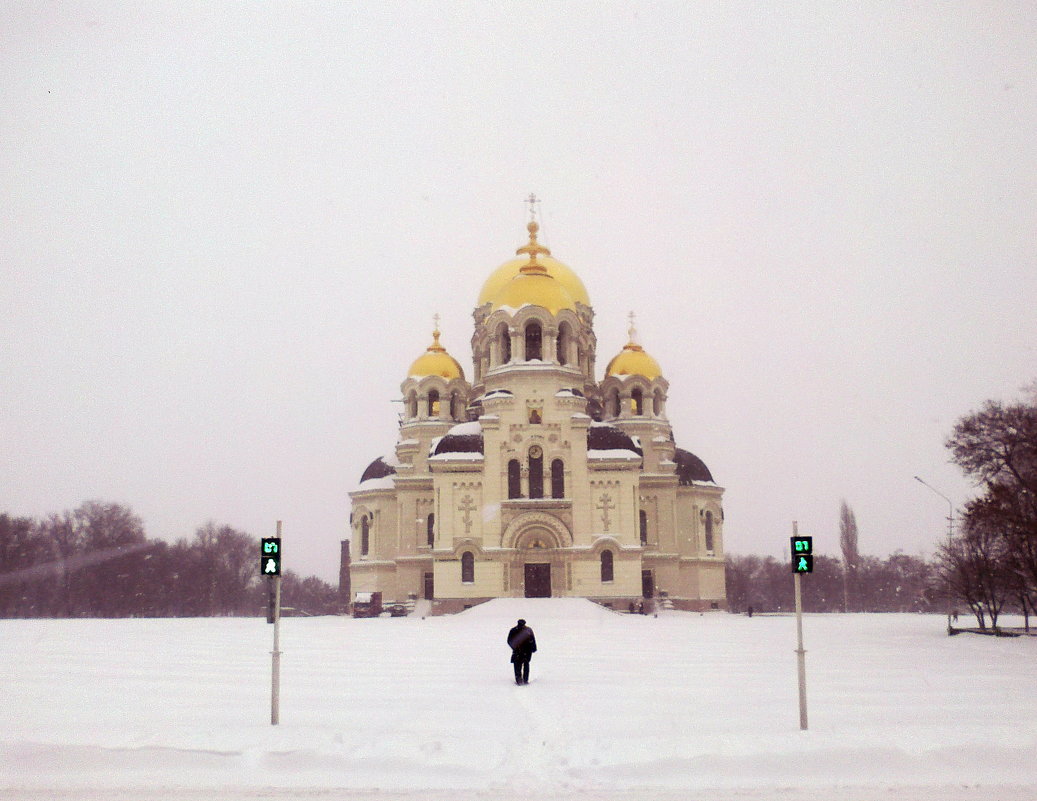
950 536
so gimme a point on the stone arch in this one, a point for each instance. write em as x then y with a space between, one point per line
530 526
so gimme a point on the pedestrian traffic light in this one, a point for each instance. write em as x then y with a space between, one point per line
802 554
270 556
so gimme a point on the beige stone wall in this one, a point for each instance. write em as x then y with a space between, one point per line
586 573
489 579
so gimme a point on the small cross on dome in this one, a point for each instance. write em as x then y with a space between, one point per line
532 201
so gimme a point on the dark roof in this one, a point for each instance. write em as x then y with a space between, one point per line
377 469
459 443
608 438
690 468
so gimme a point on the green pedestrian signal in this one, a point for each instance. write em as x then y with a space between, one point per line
270 556
802 554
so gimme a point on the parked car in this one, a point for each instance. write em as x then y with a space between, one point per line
367 604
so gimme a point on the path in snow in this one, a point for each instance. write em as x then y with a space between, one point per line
620 707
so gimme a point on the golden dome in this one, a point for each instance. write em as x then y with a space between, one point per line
510 269
436 361
533 289
633 360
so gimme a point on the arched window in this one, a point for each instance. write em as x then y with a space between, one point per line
365 536
563 343
607 571
657 403
430 530
612 404
557 479
644 527
637 401
467 567
514 479
534 341
504 335
536 472
433 403
412 405
709 531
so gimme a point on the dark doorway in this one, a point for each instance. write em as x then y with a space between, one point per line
538 581
429 595
647 584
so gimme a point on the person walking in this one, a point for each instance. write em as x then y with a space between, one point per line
523 644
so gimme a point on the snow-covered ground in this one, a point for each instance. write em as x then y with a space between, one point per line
619 707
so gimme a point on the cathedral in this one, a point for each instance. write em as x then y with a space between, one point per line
534 479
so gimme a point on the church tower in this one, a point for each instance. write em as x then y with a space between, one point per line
536 480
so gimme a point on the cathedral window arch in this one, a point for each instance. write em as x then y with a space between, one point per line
607 566
433 403
637 401
467 567
643 519
514 479
430 529
534 340
536 472
709 531
365 536
504 336
564 343
557 479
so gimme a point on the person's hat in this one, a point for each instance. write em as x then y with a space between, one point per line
522 622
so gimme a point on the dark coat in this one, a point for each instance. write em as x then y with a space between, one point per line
522 643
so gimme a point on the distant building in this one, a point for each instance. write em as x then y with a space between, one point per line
536 479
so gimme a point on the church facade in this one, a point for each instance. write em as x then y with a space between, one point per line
535 479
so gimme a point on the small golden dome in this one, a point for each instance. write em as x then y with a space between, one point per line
633 360
436 361
510 269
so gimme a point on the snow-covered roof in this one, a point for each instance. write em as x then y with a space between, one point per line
385 482
454 456
465 429
614 453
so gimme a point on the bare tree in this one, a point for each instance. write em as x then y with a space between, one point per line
851 556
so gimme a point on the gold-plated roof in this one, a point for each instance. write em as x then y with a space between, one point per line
633 360
534 289
436 361
510 269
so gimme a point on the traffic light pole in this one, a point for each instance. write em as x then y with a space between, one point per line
275 671
801 655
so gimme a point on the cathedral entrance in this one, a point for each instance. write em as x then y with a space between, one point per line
538 580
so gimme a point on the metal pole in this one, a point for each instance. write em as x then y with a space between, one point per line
950 542
801 655
275 673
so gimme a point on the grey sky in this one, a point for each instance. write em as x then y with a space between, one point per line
227 227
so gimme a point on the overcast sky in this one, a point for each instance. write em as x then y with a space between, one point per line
226 228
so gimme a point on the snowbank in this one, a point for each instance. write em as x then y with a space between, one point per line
680 706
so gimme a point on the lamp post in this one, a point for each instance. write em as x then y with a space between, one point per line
950 537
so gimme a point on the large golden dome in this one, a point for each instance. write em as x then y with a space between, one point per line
436 361
563 274
633 360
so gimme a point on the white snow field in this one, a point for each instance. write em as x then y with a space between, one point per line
620 707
